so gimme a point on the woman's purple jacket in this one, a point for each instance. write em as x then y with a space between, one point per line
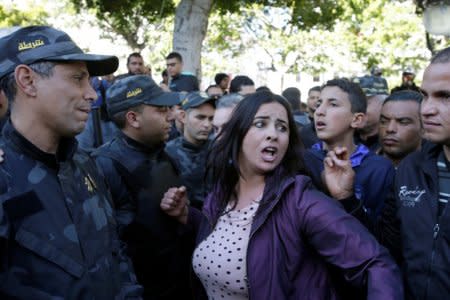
297 233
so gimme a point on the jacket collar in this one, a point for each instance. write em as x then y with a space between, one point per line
195 148
138 146
430 151
66 149
273 191
356 157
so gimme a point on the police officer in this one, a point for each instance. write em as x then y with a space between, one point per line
57 230
190 150
139 173
408 76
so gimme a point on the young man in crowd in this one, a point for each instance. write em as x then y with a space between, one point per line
224 108
190 150
293 96
139 172
308 133
339 112
376 91
243 85
58 235
135 66
223 81
311 102
400 129
179 82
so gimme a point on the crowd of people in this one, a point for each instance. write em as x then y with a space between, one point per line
120 187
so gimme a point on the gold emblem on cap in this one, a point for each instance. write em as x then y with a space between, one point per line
184 101
30 45
134 92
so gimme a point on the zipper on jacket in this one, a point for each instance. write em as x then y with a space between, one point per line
436 229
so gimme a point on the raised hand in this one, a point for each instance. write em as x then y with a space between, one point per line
175 203
338 175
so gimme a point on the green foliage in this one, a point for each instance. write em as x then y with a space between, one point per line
125 10
313 36
10 17
390 35
384 33
128 18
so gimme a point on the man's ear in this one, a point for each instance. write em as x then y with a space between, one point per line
359 120
26 80
132 119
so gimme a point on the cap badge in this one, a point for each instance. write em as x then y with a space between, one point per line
134 92
30 45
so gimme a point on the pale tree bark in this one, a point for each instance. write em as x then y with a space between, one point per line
191 24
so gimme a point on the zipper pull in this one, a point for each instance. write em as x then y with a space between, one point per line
435 230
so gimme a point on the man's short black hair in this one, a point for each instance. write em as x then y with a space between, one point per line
358 100
134 54
405 95
219 77
314 89
175 55
441 57
292 95
239 81
262 88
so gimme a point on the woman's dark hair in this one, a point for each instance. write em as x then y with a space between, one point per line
223 159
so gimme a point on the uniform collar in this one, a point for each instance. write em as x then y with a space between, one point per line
186 144
138 146
66 149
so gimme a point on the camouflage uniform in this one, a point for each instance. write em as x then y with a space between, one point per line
191 162
57 228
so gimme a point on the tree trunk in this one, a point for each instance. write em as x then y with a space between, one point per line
191 24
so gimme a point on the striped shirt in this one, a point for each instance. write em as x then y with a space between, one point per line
444 182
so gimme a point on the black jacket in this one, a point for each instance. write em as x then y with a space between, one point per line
373 176
58 235
411 229
139 176
184 83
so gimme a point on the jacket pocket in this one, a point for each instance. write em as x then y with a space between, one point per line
49 252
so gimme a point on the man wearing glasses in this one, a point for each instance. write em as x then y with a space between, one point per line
179 82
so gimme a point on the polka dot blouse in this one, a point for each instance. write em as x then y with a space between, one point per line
220 260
